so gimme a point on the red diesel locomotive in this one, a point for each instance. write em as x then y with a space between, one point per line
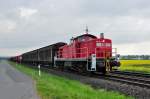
88 53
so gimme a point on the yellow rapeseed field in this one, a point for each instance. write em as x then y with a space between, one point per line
135 65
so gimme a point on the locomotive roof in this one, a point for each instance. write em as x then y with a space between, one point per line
89 35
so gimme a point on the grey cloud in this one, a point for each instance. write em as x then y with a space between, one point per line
114 7
123 21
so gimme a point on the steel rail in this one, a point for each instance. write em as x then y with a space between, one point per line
131 73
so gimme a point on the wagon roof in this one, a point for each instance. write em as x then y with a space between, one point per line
49 46
54 45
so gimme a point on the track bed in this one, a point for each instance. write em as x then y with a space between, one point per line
100 81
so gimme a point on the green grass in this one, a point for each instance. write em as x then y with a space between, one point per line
55 87
135 65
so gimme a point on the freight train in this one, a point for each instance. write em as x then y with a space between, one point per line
84 53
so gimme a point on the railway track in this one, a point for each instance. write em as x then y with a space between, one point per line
131 73
131 79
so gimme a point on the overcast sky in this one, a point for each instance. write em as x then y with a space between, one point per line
30 24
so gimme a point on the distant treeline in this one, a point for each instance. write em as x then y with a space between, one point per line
4 58
135 57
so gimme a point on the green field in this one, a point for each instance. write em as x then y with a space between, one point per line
135 65
55 87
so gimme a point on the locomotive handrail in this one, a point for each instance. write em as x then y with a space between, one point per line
105 54
73 53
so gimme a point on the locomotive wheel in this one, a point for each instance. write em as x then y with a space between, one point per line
92 73
61 66
104 70
110 68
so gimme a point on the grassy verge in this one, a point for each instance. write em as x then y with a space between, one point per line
54 87
136 65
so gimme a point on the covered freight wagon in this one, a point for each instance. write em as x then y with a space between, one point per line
44 55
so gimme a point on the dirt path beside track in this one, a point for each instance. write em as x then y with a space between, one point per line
14 84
